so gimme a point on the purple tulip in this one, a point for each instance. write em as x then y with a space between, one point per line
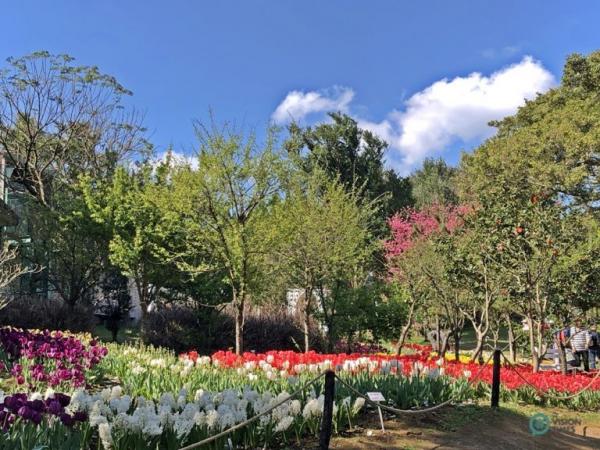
26 412
80 416
54 407
66 419
70 357
63 399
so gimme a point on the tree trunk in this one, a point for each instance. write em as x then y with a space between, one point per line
511 340
115 333
403 335
239 323
438 336
306 333
457 345
444 343
562 356
405 328
307 299
478 351
534 355
142 297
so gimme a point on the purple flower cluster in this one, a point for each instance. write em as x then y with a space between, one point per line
48 357
18 406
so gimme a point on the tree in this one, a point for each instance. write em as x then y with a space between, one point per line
58 120
353 156
222 204
141 232
71 245
534 231
475 270
536 182
433 184
115 303
323 244
416 260
10 270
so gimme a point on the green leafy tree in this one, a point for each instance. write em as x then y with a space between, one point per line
533 232
354 157
322 244
550 145
222 205
536 183
70 244
433 184
141 232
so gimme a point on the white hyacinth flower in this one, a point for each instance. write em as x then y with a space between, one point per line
116 392
104 432
284 424
358 404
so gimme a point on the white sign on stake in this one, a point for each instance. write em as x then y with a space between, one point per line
377 397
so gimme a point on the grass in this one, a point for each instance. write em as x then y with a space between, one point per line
455 418
460 416
125 335
468 339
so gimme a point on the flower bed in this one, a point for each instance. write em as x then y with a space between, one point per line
29 420
40 359
166 401
274 365
290 363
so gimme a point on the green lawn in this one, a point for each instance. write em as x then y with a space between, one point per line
126 334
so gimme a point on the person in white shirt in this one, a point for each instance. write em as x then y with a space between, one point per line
579 339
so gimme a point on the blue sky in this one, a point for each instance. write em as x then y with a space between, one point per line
381 61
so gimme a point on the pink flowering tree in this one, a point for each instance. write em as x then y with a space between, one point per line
412 260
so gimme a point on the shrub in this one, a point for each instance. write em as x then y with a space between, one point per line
274 329
178 327
181 327
48 314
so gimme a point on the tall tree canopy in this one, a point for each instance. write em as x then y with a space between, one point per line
353 155
223 203
534 185
322 243
433 184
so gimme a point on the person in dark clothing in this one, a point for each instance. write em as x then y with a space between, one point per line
593 346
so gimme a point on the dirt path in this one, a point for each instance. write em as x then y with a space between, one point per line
475 428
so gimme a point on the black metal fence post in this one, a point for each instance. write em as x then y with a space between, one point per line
327 420
496 379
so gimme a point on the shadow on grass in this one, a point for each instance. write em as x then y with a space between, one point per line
476 427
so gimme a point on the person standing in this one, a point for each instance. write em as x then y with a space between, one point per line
579 343
594 346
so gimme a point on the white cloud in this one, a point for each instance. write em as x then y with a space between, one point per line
177 159
297 105
458 110
447 112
